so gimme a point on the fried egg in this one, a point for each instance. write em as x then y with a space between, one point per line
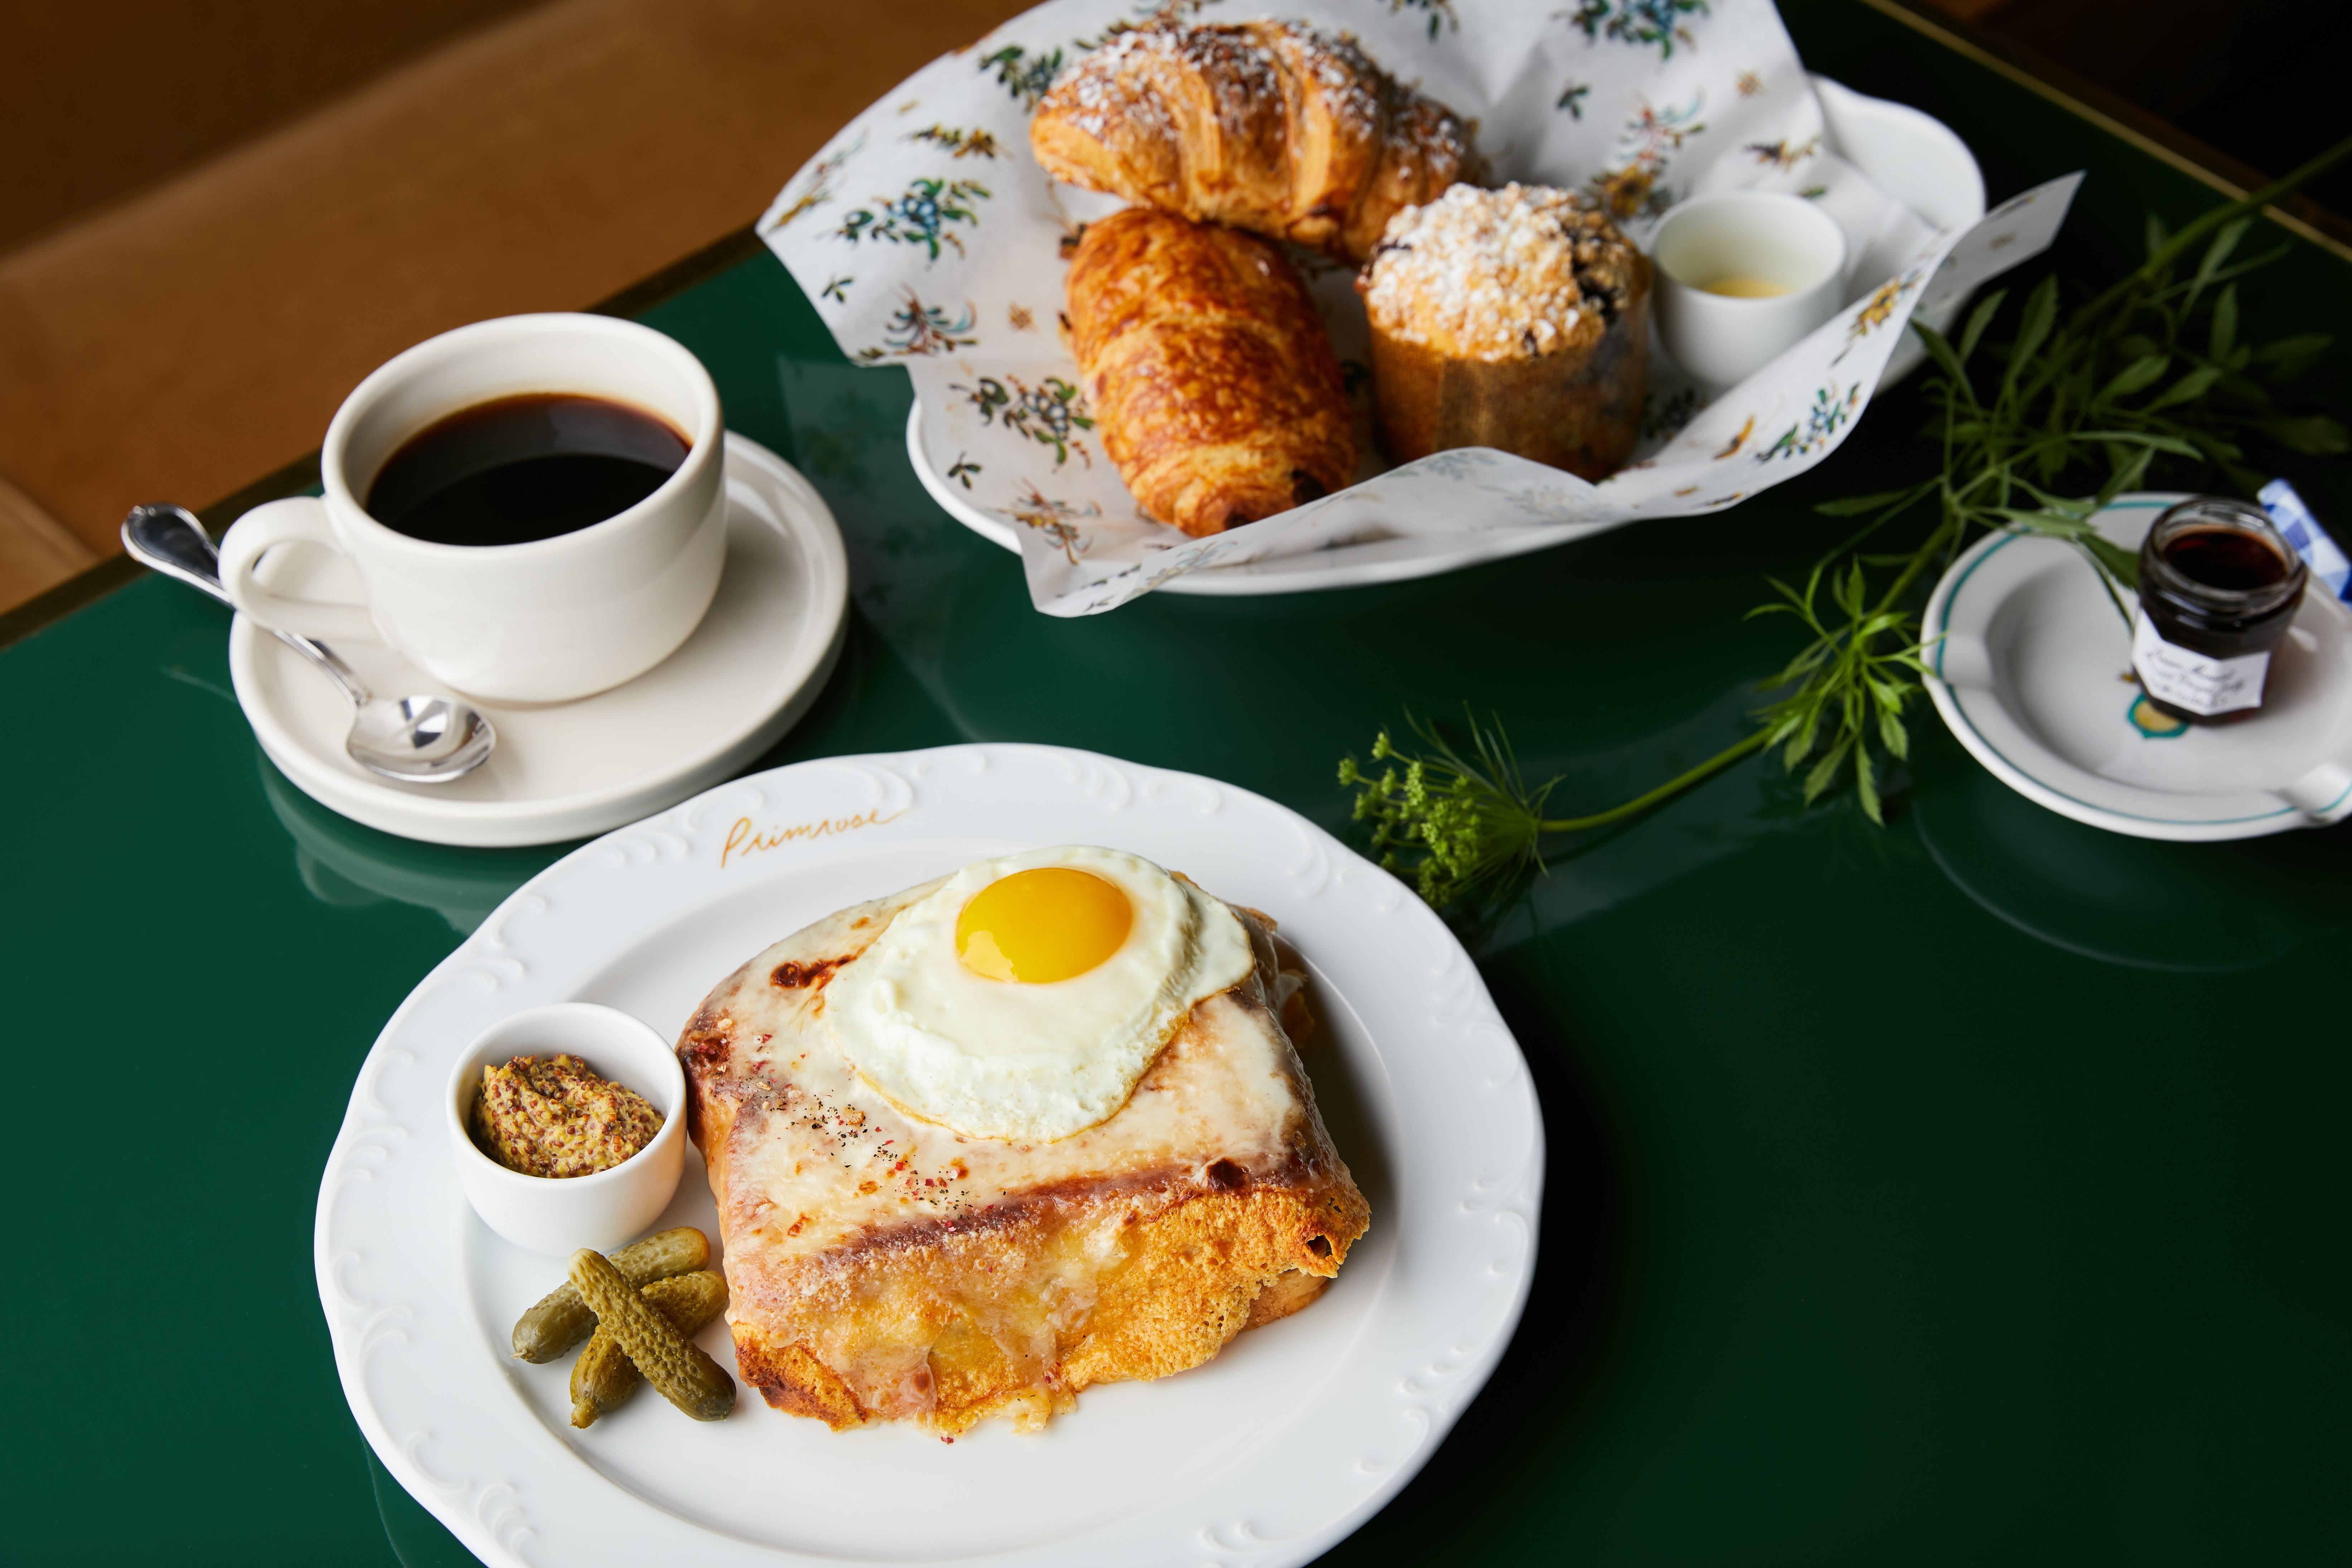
1024 996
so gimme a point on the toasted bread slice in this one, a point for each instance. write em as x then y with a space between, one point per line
880 1267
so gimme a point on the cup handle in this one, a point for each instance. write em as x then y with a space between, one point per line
294 520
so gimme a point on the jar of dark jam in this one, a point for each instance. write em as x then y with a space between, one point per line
2218 587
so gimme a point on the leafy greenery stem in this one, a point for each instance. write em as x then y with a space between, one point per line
2154 368
1957 499
1664 792
2180 244
1756 741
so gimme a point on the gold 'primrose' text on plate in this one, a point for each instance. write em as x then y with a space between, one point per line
742 839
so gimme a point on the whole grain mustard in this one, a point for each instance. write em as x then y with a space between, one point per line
551 1116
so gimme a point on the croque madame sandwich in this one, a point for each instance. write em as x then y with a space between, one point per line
991 1140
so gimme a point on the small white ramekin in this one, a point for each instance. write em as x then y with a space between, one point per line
558 1215
1786 240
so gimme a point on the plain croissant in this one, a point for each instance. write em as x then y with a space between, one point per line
1219 395
1267 126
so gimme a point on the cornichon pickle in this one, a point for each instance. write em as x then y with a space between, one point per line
677 1367
562 1320
604 1378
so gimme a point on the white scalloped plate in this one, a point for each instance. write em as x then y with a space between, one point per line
1265 1457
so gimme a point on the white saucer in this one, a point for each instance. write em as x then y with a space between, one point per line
761 656
2033 674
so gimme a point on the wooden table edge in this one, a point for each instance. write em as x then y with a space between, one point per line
53 605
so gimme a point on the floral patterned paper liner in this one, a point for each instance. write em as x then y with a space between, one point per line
927 236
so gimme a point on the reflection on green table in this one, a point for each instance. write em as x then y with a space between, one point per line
1971 1191
417 1539
347 865
2180 908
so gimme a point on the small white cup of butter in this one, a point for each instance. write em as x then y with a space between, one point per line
1743 276
558 1215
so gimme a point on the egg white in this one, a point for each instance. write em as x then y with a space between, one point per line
1019 1062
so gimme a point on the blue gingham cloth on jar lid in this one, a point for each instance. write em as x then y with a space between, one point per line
2311 541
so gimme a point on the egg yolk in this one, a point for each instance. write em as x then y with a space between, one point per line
1043 925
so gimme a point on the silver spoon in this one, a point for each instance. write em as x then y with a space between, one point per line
416 740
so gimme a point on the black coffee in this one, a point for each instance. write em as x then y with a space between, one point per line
519 468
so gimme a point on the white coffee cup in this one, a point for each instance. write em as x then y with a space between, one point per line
1760 238
544 621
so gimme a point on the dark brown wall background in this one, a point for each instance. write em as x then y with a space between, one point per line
2261 84
101 98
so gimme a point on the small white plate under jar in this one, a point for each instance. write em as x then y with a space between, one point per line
2032 672
566 770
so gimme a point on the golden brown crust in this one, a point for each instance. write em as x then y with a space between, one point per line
792 1380
1516 318
1267 126
1185 1282
1285 1294
1583 416
1136 1249
1211 375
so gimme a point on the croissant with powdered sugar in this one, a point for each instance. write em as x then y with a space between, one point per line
1268 126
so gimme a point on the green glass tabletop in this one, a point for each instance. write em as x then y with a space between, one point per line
1977 1189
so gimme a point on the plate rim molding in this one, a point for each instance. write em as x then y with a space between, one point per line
1958 618
476 1441
787 504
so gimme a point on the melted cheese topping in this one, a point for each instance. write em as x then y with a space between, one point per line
818 1157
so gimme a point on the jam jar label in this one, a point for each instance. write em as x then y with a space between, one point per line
2193 680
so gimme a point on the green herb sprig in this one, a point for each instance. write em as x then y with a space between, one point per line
2154 368
1462 825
